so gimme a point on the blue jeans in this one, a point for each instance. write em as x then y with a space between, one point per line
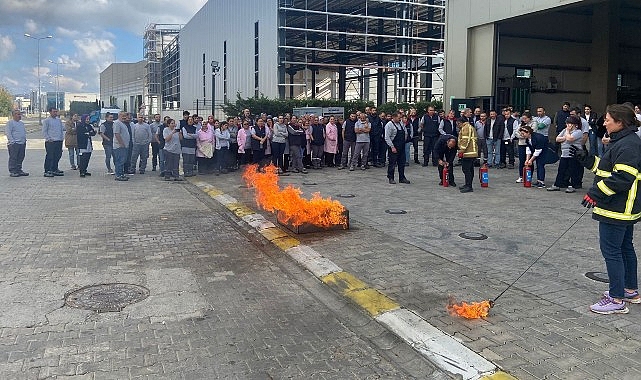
615 241
120 157
407 151
493 152
108 153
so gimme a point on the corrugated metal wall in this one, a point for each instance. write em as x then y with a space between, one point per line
231 21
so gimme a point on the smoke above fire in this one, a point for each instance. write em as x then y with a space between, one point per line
288 202
472 310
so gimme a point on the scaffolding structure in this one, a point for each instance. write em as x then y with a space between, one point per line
379 50
156 38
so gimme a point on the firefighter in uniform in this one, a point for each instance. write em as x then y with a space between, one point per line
616 198
468 151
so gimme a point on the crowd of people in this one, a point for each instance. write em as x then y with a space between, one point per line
370 139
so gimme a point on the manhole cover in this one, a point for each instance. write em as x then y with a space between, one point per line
345 195
598 276
472 236
106 297
395 211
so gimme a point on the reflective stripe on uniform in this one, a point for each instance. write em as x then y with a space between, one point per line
596 164
616 215
604 188
632 196
626 168
603 173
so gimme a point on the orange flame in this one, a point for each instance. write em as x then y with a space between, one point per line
293 208
472 310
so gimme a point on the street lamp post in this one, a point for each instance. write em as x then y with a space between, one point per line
39 96
214 69
57 78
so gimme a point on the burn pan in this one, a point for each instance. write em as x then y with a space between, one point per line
307 228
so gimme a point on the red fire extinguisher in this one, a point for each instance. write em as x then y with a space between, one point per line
527 176
484 176
446 182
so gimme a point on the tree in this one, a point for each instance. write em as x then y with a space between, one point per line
6 101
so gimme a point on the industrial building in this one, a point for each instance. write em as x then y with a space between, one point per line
378 50
122 85
542 53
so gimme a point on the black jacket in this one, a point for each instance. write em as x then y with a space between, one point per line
617 173
84 133
499 127
442 151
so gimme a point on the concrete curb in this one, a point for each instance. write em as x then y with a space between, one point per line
444 351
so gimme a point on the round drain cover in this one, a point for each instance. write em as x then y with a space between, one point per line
395 211
106 297
598 276
345 195
472 236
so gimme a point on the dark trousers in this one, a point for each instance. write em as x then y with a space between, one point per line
396 160
220 158
53 154
467 165
172 160
108 153
258 157
189 163
233 159
415 144
205 165
278 150
428 149
378 147
155 148
83 162
615 241
507 148
567 173
16 156
522 156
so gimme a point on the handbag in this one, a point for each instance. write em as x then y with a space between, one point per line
207 149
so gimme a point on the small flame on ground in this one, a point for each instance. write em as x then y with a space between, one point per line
294 209
472 310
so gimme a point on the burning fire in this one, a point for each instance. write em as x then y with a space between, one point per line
472 310
293 208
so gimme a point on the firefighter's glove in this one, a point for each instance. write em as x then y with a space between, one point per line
588 202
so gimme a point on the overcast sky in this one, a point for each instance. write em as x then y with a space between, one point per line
88 35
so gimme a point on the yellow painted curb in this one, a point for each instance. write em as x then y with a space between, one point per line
373 301
500 375
286 242
240 209
344 282
214 192
273 233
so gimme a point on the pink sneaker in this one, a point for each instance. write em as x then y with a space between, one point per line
632 297
607 306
